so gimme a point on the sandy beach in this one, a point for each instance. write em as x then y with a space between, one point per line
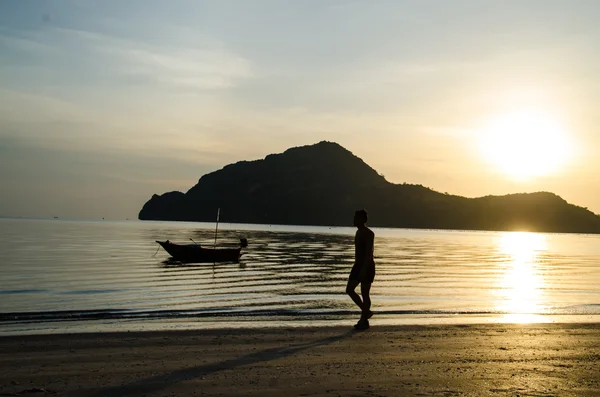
495 359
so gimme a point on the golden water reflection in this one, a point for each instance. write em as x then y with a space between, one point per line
521 284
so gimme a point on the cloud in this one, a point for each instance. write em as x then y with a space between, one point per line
24 44
205 65
76 90
196 69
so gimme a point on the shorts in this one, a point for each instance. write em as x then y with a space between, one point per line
368 277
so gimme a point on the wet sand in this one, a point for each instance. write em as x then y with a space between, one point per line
478 360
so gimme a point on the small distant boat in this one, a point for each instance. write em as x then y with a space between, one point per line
194 253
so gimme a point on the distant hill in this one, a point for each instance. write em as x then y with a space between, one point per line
323 184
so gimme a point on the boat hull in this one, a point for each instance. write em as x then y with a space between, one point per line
190 253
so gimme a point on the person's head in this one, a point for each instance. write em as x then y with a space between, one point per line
360 218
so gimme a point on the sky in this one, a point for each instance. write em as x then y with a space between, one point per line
104 103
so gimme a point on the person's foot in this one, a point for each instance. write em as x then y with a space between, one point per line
366 315
362 324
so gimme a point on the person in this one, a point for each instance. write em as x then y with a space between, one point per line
363 271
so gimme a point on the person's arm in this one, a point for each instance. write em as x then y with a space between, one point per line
368 248
363 242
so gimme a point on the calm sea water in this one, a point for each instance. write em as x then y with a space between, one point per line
64 276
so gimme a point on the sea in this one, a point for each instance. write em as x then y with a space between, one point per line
64 276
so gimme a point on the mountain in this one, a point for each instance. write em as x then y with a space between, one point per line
323 184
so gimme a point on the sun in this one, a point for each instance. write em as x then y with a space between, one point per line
525 144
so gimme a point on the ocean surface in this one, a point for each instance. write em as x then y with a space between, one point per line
80 276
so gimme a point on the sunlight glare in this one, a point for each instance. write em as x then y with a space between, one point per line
521 283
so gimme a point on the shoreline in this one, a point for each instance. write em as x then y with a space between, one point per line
555 359
230 323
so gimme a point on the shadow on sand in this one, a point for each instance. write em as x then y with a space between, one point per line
156 383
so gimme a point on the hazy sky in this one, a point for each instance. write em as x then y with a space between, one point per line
103 103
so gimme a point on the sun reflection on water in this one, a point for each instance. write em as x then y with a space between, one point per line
521 284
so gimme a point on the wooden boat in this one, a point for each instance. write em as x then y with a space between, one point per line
194 253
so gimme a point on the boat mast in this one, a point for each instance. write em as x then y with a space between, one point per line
217 227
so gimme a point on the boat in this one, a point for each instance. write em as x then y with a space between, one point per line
195 253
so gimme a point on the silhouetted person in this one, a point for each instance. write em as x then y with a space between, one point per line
363 271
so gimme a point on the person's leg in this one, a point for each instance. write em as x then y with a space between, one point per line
350 290
365 290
